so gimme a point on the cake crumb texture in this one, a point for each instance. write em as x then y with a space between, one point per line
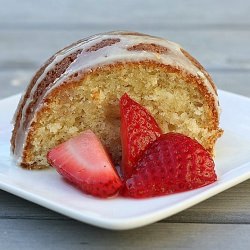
177 102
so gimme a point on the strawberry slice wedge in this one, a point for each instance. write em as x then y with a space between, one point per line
138 129
172 163
83 161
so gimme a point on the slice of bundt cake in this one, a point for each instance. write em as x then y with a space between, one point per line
79 88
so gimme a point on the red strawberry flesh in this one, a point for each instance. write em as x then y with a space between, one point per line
138 129
83 161
172 163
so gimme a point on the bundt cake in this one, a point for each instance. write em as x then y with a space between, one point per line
79 88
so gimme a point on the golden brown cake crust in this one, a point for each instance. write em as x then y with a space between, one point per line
148 47
50 77
102 44
200 67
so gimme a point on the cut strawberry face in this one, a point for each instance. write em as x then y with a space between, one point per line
138 130
172 163
83 161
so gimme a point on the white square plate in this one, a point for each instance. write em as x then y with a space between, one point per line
48 189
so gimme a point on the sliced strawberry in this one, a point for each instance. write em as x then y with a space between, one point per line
83 161
138 129
172 163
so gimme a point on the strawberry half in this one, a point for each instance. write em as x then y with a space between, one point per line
172 163
83 161
138 129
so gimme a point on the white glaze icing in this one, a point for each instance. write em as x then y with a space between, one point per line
108 55
119 53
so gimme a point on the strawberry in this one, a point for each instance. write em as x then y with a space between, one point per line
138 129
83 161
172 163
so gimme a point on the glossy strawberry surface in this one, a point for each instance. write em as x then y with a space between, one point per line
172 163
83 161
138 130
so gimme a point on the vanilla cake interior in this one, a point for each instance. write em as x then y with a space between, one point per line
93 103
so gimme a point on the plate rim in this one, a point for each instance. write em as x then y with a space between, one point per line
135 221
